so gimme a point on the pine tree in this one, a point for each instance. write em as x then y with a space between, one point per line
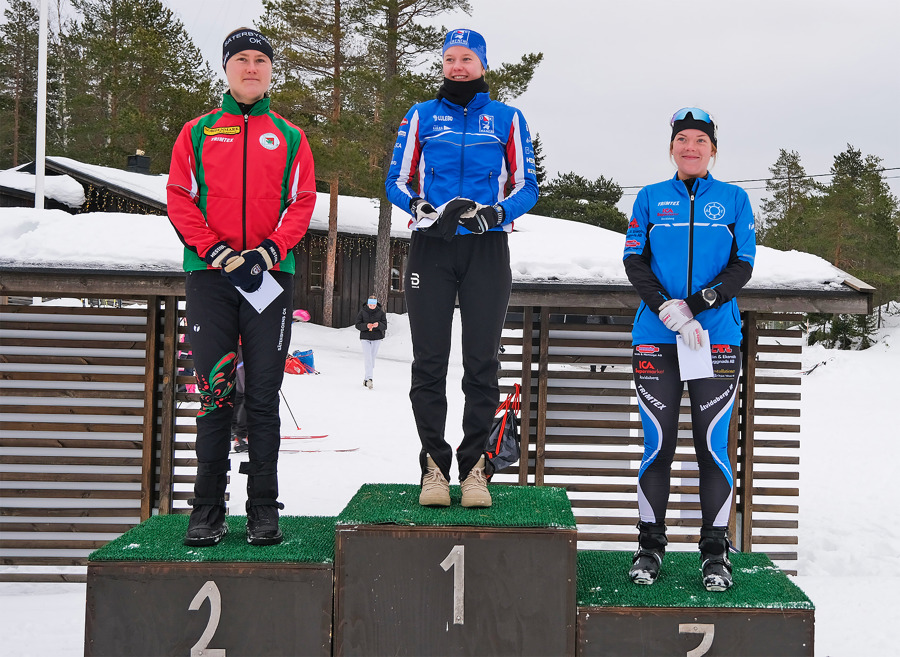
18 82
135 79
784 215
574 197
314 42
539 171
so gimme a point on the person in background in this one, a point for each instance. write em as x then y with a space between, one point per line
241 193
689 251
371 322
463 167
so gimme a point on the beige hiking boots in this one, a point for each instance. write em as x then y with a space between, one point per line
474 488
435 488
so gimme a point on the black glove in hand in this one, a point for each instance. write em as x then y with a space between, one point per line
245 271
482 219
422 209
450 218
218 254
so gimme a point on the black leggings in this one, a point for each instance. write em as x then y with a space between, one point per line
217 314
659 391
475 270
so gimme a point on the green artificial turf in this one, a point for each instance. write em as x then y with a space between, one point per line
513 506
603 582
307 539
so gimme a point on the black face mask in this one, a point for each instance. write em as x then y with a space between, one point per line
462 92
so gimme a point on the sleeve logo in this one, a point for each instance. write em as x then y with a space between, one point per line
224 130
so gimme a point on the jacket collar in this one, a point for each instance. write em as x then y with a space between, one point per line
700 185
480 100
230 105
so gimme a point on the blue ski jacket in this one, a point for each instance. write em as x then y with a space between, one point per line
679 243
482 152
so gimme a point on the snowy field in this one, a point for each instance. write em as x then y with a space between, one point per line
846 509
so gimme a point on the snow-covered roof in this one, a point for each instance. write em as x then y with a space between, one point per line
541 248
64 189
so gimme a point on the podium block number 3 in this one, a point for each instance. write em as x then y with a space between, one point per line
211 591
457 560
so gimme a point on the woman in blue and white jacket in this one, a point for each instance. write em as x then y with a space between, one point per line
463 166
689 251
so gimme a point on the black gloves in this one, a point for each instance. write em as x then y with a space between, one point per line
245 271
218 254
422 209
483 219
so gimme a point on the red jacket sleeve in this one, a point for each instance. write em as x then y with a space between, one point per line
182 192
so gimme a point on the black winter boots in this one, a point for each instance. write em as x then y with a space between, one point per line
262 503
649 555
714 559
207 522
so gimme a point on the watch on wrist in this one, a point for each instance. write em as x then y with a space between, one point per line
709 296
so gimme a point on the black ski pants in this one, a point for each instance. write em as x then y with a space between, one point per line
475 270
217 315
659 391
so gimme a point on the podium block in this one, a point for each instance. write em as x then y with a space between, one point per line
763 614
147 594
411 580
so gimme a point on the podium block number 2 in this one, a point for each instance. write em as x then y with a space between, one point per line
211 591
708 630
457 560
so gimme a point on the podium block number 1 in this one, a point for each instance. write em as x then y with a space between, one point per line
211 591
457 560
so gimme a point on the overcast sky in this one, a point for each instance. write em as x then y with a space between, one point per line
804 75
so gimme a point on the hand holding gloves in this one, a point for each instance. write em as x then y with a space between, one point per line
244 270
474 217
676 315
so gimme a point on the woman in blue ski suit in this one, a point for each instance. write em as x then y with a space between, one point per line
463 166
689 250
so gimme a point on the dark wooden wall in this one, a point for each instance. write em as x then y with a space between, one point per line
355 278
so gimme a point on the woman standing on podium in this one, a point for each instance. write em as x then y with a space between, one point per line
689 251
241 192
463 167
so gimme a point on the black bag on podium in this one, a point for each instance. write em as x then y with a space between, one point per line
502 449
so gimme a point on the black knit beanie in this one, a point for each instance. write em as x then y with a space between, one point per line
245 39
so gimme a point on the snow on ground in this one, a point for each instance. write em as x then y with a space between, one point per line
847 518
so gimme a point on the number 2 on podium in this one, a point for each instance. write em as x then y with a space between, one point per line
211 591
457 560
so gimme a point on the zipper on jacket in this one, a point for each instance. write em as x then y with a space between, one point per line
244 194
462 152
690 272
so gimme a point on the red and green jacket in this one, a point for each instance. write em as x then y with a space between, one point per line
240 179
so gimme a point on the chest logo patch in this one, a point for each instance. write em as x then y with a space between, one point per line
223 130
486 123
269 141
714 211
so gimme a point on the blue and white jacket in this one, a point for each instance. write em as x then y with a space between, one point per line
482 152
678 243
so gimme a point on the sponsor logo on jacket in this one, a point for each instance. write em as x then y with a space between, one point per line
223 130
442 117
486 123
667 203
646 349
666 212
714 211
269 141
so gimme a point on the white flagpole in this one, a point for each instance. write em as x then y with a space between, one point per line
41 145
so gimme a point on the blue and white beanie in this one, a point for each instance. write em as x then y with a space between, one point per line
467 39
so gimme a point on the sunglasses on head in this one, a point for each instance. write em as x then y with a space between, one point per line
696 112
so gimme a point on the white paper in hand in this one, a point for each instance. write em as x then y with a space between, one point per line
694 364
266 294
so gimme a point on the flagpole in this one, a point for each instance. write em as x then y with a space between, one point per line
41 138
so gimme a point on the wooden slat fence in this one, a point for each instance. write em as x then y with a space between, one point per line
88 439
581 428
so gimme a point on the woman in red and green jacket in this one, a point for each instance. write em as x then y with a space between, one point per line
241 192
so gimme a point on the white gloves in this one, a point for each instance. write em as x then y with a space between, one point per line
676 315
